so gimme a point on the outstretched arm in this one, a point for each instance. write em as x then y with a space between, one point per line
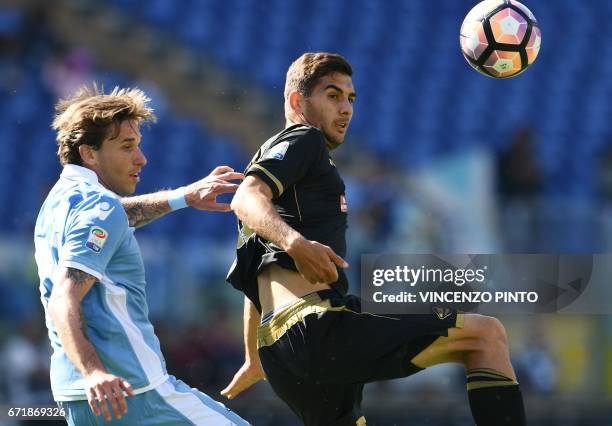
253 206
251 371
202 195
144 209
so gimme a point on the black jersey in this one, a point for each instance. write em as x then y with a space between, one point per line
308 194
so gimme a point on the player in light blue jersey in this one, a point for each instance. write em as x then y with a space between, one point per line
106 358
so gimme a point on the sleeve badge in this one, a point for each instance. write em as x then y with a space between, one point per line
97 238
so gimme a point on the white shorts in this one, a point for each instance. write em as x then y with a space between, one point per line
171 403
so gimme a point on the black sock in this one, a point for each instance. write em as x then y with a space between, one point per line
495 399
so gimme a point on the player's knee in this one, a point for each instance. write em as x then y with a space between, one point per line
488 333
492 334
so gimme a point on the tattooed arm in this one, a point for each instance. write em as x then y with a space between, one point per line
144 209
64 308
202 195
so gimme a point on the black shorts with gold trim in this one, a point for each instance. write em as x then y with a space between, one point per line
319 351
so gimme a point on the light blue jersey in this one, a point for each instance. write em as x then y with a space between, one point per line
82 225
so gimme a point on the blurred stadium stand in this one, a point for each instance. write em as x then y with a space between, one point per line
439 158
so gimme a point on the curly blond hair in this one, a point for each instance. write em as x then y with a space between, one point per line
90 116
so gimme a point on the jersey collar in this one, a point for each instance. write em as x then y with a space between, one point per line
83 174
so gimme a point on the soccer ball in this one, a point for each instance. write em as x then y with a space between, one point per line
500 38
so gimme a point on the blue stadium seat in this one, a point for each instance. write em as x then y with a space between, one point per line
11 21
418 99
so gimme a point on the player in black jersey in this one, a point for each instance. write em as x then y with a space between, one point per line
308 195
317 348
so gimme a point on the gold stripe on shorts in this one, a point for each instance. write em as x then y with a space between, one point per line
281 322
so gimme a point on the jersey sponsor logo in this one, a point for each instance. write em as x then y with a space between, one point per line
442 313
343 205
97 238
105 210
277 152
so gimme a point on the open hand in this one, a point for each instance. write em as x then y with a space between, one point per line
102 389
203 194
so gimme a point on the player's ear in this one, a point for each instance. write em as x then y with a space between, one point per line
296 101
87 155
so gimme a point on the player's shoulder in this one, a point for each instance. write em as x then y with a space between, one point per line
97 203
301 131
299 138
86 197
301 135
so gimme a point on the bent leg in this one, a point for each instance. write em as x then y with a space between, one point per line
315 403
480 343
482 347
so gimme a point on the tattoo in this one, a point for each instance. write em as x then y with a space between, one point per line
144 209
78 277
